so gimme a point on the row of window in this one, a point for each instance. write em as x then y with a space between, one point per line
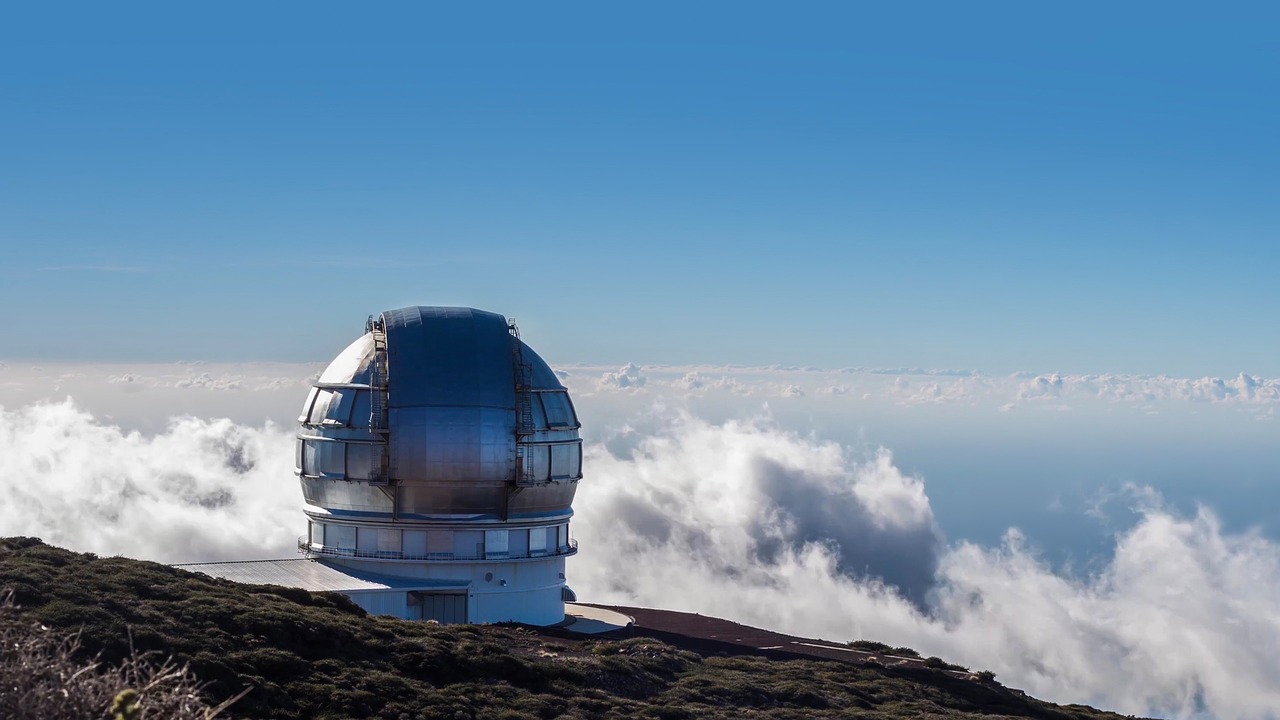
357 461
439 544
350 407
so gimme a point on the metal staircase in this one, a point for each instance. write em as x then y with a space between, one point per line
524 410
381 474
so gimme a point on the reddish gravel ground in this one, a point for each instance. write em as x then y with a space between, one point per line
715 636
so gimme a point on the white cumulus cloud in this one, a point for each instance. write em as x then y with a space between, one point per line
740 519
747 521
627 377
201 490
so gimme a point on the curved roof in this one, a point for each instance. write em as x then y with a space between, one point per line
439 417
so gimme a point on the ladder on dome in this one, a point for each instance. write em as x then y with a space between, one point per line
524 410
381 474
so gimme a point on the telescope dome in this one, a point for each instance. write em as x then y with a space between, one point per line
438 443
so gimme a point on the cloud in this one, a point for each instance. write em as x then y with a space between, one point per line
206 381
750 522
744 520
906 392
627 377
1243 389
792 391
202 490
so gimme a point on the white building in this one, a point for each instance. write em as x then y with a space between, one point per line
438 457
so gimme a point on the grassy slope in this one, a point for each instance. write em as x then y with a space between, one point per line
317 655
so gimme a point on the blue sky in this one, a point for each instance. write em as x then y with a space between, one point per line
997 186
695 188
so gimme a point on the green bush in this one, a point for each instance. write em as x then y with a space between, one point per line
317 655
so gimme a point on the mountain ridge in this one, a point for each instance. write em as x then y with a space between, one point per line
305 655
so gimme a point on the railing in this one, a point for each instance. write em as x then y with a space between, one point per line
307 547
378 377
524 410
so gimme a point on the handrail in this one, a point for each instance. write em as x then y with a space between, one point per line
307 547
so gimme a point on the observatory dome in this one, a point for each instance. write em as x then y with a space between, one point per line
440 447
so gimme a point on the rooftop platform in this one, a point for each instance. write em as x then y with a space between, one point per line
312 575
589 620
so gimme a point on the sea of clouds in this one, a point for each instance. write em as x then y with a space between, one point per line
742 519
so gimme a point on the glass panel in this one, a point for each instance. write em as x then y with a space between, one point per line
297 455
317 534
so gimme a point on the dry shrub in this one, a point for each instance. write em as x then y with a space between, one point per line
41 678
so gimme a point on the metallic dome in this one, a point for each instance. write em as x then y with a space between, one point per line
439 414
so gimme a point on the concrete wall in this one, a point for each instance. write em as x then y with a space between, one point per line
527 591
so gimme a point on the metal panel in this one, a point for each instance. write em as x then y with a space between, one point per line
378 541
451 377
352 365
468 543
446 608
342 537
306 407
414 543
449 356
360 409
360 460
559 411
496 544
440 542
564 461
518 543
538 541
543 377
